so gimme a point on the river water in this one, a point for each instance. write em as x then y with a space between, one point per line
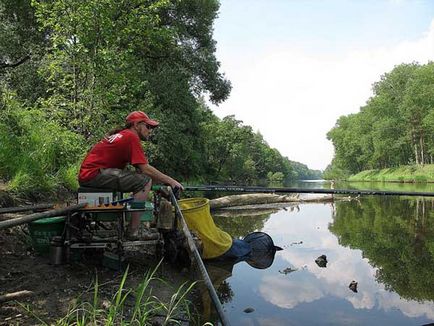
385 244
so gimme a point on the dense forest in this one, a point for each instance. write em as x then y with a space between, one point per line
72 70
394 128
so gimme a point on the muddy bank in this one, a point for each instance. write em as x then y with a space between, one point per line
57 288
6 200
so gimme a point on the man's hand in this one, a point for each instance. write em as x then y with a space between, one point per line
175 184
158 176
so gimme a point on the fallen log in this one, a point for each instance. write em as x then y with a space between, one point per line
251 199
33 217
15 295
244 212
24 208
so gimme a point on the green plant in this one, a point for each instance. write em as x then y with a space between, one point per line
176 304
34 160
146 306
68 177
420 178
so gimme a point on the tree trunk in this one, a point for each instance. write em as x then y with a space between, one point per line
251 199
416 154
15 296
421 144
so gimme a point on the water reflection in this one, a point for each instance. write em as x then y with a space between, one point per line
384 244
397 236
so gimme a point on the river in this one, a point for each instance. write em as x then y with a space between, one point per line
385 244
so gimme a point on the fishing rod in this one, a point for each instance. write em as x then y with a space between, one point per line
305 191
197 258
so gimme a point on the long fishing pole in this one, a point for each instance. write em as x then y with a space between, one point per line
199 262
305 191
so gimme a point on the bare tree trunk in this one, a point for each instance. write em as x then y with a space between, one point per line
15 296
251 199
421 144
414 141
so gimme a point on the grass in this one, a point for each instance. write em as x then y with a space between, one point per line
146 306
406 173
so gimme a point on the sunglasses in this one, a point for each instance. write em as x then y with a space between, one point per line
149 127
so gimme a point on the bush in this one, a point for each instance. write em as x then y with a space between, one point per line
68 177
36 155
420 178
275 177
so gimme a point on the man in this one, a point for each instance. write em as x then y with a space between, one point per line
104 166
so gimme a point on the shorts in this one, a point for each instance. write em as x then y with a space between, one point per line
118 180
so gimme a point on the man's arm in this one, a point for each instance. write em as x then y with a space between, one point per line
158 176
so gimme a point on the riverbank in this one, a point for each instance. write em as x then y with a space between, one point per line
71 287
407 173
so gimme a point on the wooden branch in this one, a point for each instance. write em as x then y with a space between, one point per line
4 65
251 199
33 217
15 295
24 208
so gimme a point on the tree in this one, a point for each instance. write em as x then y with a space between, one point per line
22 46
394 127
418 105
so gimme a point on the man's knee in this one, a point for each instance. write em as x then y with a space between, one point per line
148 185
143 194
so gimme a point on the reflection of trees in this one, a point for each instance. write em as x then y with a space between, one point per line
397 236
218 272
390 186
225 292
240 226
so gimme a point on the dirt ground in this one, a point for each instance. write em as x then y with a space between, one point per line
56 288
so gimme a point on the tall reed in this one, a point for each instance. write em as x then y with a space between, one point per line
147 306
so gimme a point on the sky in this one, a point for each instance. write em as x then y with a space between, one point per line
296 66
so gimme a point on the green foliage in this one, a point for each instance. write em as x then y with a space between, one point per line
34 151
334 172
394 128
68 177
22 46
408 173
234 153
275 177
122 55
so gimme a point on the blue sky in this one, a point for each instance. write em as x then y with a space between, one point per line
296 66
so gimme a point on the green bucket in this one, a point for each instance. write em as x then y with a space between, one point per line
41 232
147 210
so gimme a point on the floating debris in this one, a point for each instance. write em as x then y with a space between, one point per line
321 261
353 286
296 243
249 310
287 270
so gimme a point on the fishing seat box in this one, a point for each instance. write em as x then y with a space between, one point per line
98 196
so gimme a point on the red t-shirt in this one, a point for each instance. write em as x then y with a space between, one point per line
115 151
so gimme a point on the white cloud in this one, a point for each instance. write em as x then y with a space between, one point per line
294 97
310 283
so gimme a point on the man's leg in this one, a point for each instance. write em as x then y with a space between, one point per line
142 195
124 181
